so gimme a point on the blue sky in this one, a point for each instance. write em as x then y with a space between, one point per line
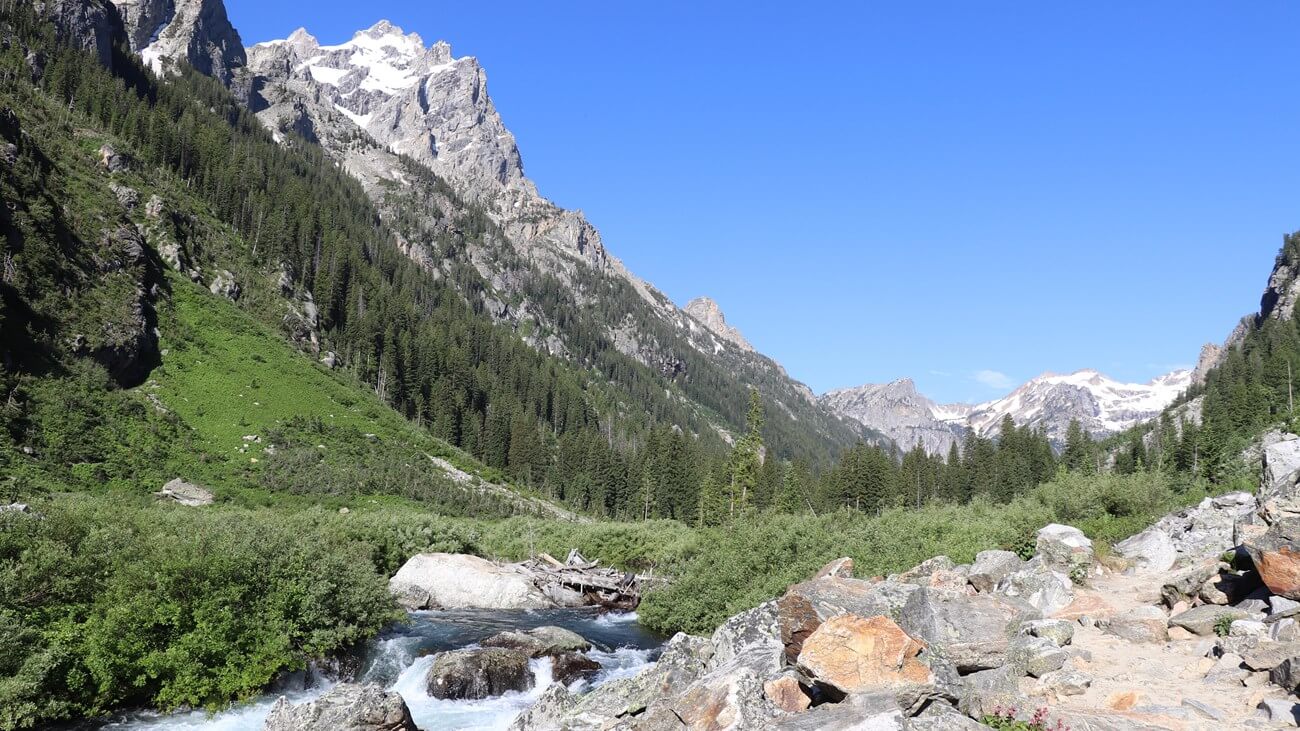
965 193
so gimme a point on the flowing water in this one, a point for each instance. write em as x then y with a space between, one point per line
400 658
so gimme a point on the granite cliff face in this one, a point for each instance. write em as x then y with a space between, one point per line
196 32
710 315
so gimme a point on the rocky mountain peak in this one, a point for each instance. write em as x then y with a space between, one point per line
196 32
709 314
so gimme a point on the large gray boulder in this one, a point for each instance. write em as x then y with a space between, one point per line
185 493
1064 548
1151 552
478 673
540 641
1281 467
971 632
991 567
861 712
346 707
460 581
1039 586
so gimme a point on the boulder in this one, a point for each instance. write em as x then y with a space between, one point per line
831 596
127 197
729 698
1269 655
972 632
112 160
1281 711
991 567
459 581
1286 674
988 689
224 285
1206 530
478 673
1151 551
549 712
939 716
153 209
185 493
569 667
1059 631
1140 624
1035 656
1065 683
796 620
1228 670
1276 555
345 707
862 712
751 638
787 692
1281 467
840 568
863 655
540 641
1064 548
1203 619
939 571
684 660
1185 584
1039 586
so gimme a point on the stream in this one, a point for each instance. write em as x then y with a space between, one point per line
400 657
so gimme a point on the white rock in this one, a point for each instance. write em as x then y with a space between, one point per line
459 581
1151 551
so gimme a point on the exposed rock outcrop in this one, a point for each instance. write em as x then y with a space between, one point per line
709 314
185 493
196 32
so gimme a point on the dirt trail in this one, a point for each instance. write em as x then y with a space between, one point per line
1161 685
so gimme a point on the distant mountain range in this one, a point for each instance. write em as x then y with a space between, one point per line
1049 402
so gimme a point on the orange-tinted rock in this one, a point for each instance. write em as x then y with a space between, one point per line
1276 554
786 694
858 655
1124 700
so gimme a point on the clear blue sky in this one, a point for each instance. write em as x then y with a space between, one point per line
925 189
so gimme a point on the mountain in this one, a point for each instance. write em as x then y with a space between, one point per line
1102 405
902 413
196 32
417 127
709 314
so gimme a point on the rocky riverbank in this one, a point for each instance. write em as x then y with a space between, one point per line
1190 624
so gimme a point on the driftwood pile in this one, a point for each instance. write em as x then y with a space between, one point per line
603 586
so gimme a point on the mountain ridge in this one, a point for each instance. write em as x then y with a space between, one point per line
1102 405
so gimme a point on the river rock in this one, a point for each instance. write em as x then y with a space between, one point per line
568 667
459 581
345 707
751 638
478 673
860 655
540 641
972 632
185 493
548 713
1064 548
1151 551
1039 586
991 567
1276 555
